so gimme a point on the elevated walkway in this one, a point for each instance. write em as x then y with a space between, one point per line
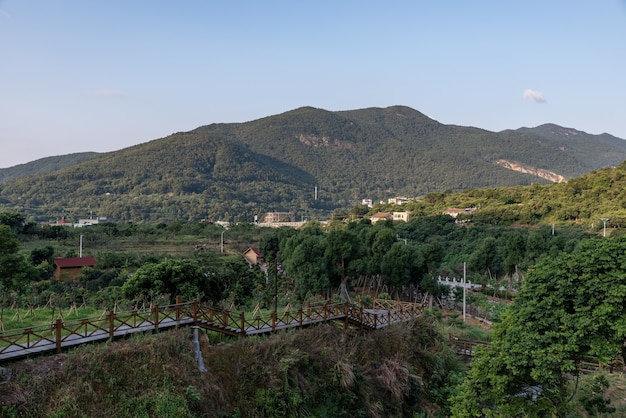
61 335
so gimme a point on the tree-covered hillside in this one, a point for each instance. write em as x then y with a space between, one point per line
583 200
601 150
44 165
239 170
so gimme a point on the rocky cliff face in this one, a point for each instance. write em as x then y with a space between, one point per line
544 174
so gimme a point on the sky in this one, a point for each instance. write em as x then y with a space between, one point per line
101 76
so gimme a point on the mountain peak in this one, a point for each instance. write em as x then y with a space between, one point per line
238 170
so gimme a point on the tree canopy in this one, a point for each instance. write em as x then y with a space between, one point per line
15 272
170 277
568 307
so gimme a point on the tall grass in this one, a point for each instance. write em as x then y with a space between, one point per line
321 371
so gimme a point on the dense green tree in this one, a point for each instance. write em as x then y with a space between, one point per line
270 247
431 257
43 261
233 280
513 251
15 272
13 220
95 279
432 254
39 255
172 277
271 244
537 246
569 307
358 211
483 258
380 243
344 257
117 260
53 232
304 261
398 264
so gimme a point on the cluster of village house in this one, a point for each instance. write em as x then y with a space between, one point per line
80 223
279 217
68 269
254 256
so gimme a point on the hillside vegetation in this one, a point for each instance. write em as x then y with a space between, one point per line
239 170
44 165
583 201
323 371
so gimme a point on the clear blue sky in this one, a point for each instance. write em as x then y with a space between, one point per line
104 75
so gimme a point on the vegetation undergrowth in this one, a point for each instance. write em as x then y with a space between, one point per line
403 370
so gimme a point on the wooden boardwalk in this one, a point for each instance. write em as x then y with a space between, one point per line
467 349
61 335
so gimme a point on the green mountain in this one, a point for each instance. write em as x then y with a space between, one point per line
238 170
44 165
602 150
581 201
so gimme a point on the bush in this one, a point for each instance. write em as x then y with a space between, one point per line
367 301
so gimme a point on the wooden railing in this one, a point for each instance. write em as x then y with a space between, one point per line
66 333
587 365
465 347
61 334
591 365
396 305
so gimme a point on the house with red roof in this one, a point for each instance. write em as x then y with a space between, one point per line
253 256
67 269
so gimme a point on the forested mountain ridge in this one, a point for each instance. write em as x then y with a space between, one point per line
398 150
238 170
44 165
602 150
582 201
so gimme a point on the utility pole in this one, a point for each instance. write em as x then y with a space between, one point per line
222 241
275 284
604 221
464 282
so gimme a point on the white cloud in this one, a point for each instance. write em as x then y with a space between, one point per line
110 93
533 95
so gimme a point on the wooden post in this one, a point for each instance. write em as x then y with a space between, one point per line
345 313
225 318
274 321
361 317
156 318
300 317
194 312
242 320
111 316
58 327
178 302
